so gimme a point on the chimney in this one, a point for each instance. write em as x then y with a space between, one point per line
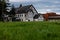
20 5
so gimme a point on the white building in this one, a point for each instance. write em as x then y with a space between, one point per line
25 13
38 17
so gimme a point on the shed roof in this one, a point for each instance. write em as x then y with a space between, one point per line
36 16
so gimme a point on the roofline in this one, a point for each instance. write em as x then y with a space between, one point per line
34 8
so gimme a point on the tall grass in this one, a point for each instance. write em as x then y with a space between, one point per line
30 31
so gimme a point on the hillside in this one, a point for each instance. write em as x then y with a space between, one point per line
30 31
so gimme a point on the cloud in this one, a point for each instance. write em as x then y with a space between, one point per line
24 0
44 10
42 5
56 2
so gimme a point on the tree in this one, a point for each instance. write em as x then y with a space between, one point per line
12 12
3 6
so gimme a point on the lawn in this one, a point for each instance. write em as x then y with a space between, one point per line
30 31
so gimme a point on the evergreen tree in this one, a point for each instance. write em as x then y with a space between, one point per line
12 13
3 6
0 8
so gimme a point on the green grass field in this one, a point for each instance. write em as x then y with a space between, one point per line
30 31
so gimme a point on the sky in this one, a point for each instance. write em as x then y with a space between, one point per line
42 6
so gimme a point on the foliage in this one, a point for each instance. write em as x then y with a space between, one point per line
12 12
3 9
3 6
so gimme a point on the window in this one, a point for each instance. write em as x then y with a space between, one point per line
25 15
18 15
22 15
28 20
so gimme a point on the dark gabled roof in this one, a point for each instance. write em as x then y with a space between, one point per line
36 16
24 9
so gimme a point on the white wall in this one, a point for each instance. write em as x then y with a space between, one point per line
33 10
53 20
35 19
20 16
41 18
30 16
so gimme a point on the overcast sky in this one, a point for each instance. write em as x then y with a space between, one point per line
43 6
24 0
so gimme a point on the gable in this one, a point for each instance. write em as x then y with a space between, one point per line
26 9
33 9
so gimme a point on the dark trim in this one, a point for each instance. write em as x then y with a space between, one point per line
34 8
